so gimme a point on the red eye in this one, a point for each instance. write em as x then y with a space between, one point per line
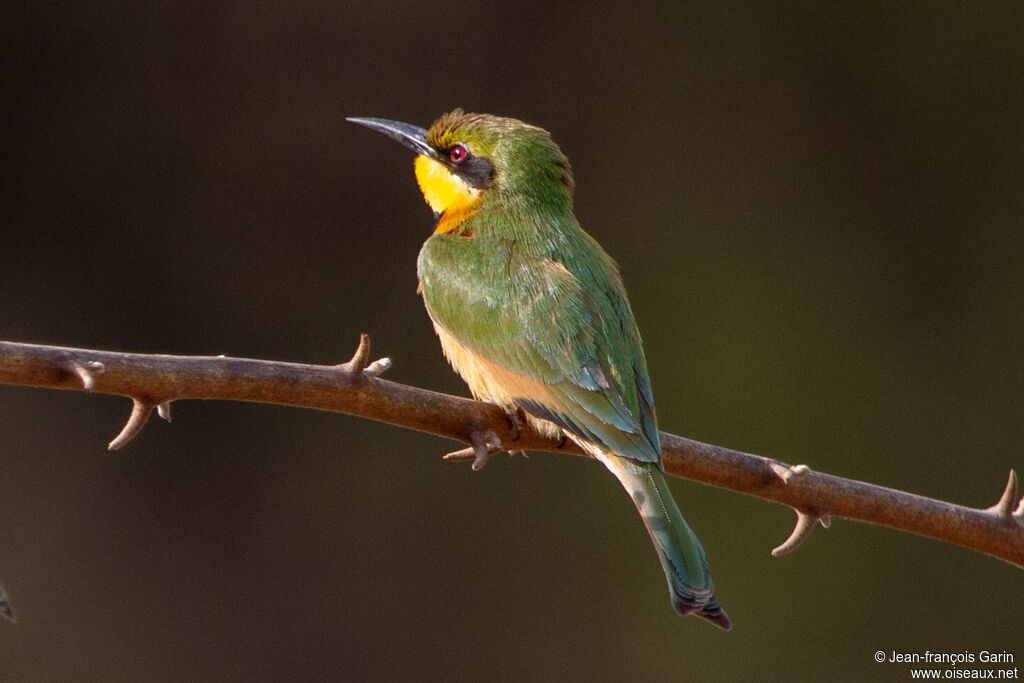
458 153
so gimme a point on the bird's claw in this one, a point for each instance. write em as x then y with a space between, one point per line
484 446
515 422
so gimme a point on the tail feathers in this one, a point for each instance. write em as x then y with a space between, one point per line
681 554
684 603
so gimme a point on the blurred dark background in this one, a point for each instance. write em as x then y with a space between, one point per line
818 213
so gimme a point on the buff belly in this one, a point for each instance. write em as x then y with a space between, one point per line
494 384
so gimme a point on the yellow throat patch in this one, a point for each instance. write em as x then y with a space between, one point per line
446 193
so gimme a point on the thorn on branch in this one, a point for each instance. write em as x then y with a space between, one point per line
787 472
377 367
141 411
361 357
164 411
360 362
804 526
1004 509
87 378
484 445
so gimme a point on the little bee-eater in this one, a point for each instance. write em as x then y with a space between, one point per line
532 313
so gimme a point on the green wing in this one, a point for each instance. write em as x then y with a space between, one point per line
556 312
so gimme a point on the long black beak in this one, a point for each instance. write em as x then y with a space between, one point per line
413 137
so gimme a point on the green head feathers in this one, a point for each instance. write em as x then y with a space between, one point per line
521 155
463 156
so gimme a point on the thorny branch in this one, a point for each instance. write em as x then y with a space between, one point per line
153 381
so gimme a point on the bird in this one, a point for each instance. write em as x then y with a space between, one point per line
532 313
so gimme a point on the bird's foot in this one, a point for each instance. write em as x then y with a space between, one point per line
484 445
515 421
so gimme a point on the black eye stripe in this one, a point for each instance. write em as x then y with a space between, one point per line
476 171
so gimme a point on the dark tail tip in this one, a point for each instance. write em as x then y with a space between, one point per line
714 613
687 603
